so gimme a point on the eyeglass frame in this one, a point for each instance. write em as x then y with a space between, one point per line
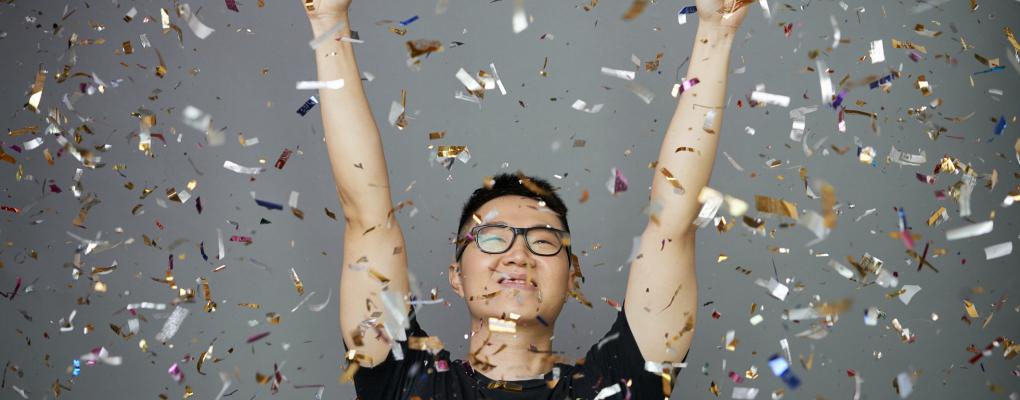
473 233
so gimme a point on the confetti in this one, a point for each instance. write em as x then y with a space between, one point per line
197 27
618 73
242 169
680 88
314 85
172 324
608 391
969 231
520 19
297 282
876 52
769 98
617 183
776 289
308 105
781 369
502 325
681 15
329 34
581 105
998 250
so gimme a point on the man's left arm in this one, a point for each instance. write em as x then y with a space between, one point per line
662 290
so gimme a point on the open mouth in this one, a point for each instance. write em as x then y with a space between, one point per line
517 281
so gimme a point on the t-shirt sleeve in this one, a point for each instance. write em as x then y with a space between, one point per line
392 378
616 358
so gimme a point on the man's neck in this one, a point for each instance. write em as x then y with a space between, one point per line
524 354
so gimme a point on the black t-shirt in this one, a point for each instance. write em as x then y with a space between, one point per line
614 360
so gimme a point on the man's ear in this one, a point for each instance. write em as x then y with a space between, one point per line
455 282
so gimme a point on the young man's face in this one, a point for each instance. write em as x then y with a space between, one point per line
481 278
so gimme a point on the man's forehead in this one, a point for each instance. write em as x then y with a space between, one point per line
517 214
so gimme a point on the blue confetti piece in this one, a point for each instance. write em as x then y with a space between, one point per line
408 21
268 205
781 369
77 367
1000 126
993 69
311 102
884 79
839 99
201 249
688 10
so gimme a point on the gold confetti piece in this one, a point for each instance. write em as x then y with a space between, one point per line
437 135
938 217
971 311
502 325
922 84
1011 38
378 276
161 68
398 31
126 48
635 10
297 282
210 305
253 306
143 345
37 90
714 389
678 188
431 344
423 46
775 206
907 45
273 318
722 257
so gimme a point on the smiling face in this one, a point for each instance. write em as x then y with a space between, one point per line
516 281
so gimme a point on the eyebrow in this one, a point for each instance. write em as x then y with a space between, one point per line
507 223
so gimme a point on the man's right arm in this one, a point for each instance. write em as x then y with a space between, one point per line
372 236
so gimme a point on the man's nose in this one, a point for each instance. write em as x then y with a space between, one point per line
519 252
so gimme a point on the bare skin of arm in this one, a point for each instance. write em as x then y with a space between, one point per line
662 291
372 235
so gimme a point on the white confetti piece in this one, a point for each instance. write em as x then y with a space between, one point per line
520 18
908 293
197 27
877 52
317 41
998 250
608 391
769 98
311 85
775 288
172 324
618 73
744 393
581 105
969 231
242 169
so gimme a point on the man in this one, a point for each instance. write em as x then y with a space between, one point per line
513 264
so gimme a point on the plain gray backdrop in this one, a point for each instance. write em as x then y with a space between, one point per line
531 128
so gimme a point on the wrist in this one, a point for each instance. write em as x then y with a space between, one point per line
323 23
716 31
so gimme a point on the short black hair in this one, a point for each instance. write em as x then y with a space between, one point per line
513 184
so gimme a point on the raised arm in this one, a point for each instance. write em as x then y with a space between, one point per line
662 289
373 240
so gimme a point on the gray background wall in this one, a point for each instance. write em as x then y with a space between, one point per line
501 136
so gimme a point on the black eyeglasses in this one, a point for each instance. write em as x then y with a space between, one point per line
497 239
